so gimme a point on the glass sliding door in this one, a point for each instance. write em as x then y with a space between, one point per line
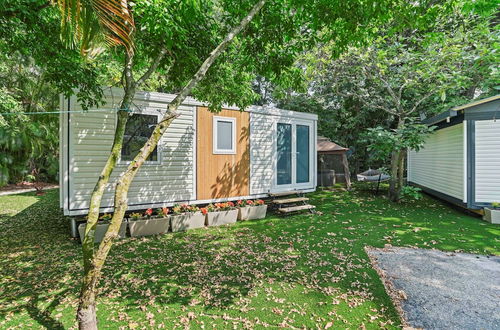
284 154
303 146
294 161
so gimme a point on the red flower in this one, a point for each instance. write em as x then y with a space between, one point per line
240 202
165 210
149 212
250 202
231 204
204 210
260 202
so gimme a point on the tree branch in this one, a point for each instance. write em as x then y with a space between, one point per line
213 56
153 67
400 91
127 71
425 97
392 93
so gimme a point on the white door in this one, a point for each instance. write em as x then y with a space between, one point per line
294 155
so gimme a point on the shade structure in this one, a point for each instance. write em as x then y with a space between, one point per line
332 163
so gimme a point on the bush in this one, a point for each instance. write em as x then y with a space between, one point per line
409 193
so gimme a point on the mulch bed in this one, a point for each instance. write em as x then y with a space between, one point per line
27 186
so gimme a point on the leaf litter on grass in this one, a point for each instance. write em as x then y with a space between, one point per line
299 271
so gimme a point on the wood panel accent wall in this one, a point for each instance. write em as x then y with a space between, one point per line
222 176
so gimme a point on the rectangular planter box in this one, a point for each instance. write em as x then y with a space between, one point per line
491 215
187 221
148 226
221 217
252 212
101 229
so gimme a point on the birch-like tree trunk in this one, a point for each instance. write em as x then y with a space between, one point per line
93 262
86 315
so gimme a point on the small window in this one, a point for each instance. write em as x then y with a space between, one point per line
137 131
224 135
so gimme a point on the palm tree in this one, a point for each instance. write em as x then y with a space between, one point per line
91 24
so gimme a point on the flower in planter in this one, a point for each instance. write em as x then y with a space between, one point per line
191 208
176 209
162 212
250 202
148 213
211 208
241 203
259 202
224 206
135 216
105 217
204 210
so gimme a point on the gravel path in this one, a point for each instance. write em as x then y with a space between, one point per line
439 290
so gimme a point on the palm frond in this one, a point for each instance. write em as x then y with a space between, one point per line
91 23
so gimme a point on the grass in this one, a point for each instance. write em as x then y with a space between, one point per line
301 271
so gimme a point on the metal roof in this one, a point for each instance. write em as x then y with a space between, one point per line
453 112
325 145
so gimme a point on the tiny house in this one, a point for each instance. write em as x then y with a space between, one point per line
203 157
460 161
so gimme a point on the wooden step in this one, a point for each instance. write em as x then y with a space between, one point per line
290 200
286 193
296 208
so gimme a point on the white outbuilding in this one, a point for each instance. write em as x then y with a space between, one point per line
203 157
460 161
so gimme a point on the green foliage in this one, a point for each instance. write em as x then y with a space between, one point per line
445 57
35 68
410 193
26 143
382 142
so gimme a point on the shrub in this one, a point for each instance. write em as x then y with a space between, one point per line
410 193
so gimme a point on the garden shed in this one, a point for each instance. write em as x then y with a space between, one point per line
202 158
460 160
333 166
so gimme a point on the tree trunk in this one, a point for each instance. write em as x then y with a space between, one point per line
93 266
401 171
393 182
86 315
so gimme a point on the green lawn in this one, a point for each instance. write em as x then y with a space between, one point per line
300 271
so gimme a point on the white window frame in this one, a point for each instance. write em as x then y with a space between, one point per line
217 151
158 115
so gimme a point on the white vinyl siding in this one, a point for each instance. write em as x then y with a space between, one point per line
487 165
91 137
439 165
261 153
